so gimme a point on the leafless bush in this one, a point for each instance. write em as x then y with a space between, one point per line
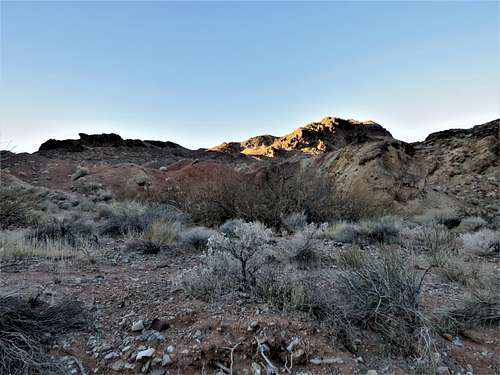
266 196
247 246
27 326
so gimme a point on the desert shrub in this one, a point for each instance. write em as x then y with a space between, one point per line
79 173
216 276
16 207
384 295
286 288
196 237
483 242
383 229
162 232
343 232
247 247
135 217
267 196
231 263
472 224
299 248
431 237
479 307
229 226
294 222
447 217
27 326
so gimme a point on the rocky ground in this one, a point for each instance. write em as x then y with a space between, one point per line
145 323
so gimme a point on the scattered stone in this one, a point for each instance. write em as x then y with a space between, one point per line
137 326
332 360
170 349
111 355
316 361
159 325
118 365
147 353
443 370
293 344
372 372
166 360
151 335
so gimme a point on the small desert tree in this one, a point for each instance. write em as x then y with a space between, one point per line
246 246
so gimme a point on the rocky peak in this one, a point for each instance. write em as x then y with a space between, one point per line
325 135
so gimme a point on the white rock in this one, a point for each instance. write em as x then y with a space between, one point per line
166 360
148 353
138 326
111 355
372 372
170 349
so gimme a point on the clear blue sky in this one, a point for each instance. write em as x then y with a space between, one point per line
202 73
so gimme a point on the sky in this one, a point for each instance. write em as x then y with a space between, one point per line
200 73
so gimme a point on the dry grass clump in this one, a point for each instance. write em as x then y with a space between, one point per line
472 224
196 237
384 295
134 217
162 232
351 258
17 208
458 271
447 217
299 248
69 232
342 232
294 222
383 229
27 326
17 245
435 240
479 307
